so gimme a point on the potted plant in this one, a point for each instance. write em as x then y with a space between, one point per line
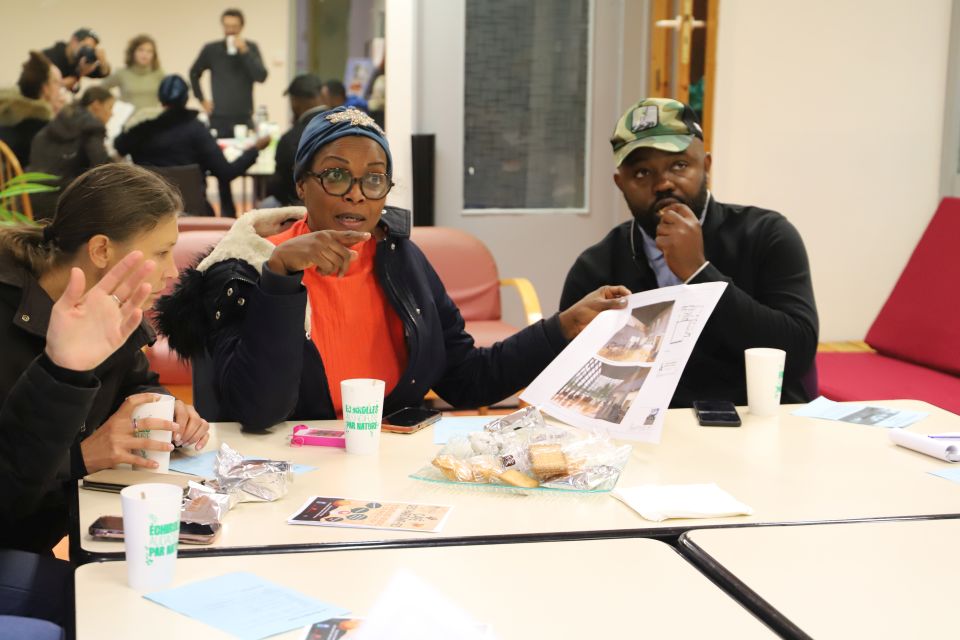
17 186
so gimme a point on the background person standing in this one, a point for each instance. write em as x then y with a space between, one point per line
234 64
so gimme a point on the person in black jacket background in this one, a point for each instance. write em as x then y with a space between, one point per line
306 101
681 234
45 411
176 138
285 315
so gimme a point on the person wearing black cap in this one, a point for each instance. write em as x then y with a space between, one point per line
306 101
177 138
286 312
81 56
680 234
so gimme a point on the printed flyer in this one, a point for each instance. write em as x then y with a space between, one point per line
620 373
370 514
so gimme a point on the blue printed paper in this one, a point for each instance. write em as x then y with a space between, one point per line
203 464
859 413
952 474
457 426
245 605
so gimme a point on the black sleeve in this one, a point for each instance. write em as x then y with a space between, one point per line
280 185
480 376
39 421
581 280
211 156
253 63
196 70
781 313
139 379
258 353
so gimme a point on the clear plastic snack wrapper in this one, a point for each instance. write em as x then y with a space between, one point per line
203 505
522 451
262 479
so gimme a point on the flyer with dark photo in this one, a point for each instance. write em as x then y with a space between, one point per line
371 514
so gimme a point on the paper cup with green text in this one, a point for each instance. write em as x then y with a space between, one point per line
764 379
151 529
163 409
362 410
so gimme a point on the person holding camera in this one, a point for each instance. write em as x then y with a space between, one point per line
81 56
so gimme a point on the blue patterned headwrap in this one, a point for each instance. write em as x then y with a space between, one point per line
332 125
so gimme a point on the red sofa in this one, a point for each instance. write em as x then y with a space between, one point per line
917 332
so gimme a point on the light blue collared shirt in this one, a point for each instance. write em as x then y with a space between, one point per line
665 277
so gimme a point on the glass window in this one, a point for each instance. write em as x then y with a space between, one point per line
525 104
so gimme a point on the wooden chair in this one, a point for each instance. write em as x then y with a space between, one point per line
10 168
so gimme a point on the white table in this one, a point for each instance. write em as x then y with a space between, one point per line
584 589
892 579
788 469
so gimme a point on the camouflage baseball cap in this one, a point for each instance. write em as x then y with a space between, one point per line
661 123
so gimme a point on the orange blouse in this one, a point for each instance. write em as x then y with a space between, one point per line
354 327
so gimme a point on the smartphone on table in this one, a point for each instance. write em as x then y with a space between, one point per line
111 528
716 413
410 419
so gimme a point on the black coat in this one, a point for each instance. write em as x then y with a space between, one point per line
72 143
25 308
281 185
768 301
266 369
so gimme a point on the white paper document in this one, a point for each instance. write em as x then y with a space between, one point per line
944 446
858 413
660 502
620 373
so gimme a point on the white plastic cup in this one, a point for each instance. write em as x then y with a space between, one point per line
163 409
151 529
231 45
362 411
240 132
764 379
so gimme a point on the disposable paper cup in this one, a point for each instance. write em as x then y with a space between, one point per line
162 409
231 45
362 410
240 131
764 380
151 528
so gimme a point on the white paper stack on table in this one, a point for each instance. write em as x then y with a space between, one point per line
660 502
943 446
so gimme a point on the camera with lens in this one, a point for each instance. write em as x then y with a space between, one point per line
87 54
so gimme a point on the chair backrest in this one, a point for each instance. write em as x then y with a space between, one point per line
10 168
191 244
918 322
190 180
466 267
204 223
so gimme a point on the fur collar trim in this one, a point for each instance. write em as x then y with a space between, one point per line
247 238
15 108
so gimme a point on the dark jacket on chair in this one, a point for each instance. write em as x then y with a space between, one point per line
20 120
265 368
68 146
25 308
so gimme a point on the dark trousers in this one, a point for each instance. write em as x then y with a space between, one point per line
224 128
36 586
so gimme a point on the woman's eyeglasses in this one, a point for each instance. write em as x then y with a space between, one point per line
338 182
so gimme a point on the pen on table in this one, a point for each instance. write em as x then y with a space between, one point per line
945 436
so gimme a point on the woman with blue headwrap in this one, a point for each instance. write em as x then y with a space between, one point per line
176 138
277 315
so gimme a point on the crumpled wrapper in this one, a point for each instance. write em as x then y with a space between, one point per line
204 505
251 479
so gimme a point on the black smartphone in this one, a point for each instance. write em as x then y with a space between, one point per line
111 528
716 413
410 419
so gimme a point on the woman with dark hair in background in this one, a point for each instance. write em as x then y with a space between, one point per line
101 217
72 143
140 79
177 138
24 112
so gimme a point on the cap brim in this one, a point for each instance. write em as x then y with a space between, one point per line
670 144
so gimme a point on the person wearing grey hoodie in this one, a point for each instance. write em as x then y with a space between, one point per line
72 143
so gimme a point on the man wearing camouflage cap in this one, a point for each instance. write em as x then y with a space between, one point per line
680 234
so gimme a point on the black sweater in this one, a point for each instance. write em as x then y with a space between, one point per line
231 77
768 301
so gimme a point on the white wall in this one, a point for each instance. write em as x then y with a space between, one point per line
180 27
831 112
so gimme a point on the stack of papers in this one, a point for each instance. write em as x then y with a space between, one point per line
858 413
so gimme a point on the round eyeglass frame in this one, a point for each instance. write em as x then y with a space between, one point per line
353 180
